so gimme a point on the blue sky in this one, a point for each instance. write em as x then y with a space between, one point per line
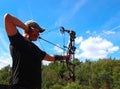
96 23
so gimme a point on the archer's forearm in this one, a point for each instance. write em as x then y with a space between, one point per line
55 57
13 22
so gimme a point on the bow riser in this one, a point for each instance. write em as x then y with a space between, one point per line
70 50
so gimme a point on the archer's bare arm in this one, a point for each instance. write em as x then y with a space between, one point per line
11 23
52 58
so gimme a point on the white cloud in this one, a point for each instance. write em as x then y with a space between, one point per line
113 49
69 14
88 31
95 47
109 32
59 50
77 6
92 48
45 62
5 60
78 40
3 40
115 28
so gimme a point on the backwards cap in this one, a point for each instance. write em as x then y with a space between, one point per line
33 24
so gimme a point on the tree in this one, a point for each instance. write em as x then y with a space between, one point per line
5 75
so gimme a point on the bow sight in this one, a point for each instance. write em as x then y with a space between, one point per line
72 34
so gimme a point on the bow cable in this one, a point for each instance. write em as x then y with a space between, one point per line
70 50
51 43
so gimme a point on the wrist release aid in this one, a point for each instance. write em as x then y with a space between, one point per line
58 57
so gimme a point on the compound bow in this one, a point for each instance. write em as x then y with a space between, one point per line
70 50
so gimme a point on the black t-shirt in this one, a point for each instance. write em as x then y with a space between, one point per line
27 57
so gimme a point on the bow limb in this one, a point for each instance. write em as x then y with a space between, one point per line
71 69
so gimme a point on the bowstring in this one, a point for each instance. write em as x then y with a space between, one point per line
51 30
58 73
68 63
64 53
63 43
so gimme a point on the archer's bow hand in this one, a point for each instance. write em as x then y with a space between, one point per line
67 57
60 58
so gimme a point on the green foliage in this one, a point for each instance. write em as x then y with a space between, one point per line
57 86
73 86
5 75
101 74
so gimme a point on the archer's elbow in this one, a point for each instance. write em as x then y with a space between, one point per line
7 17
